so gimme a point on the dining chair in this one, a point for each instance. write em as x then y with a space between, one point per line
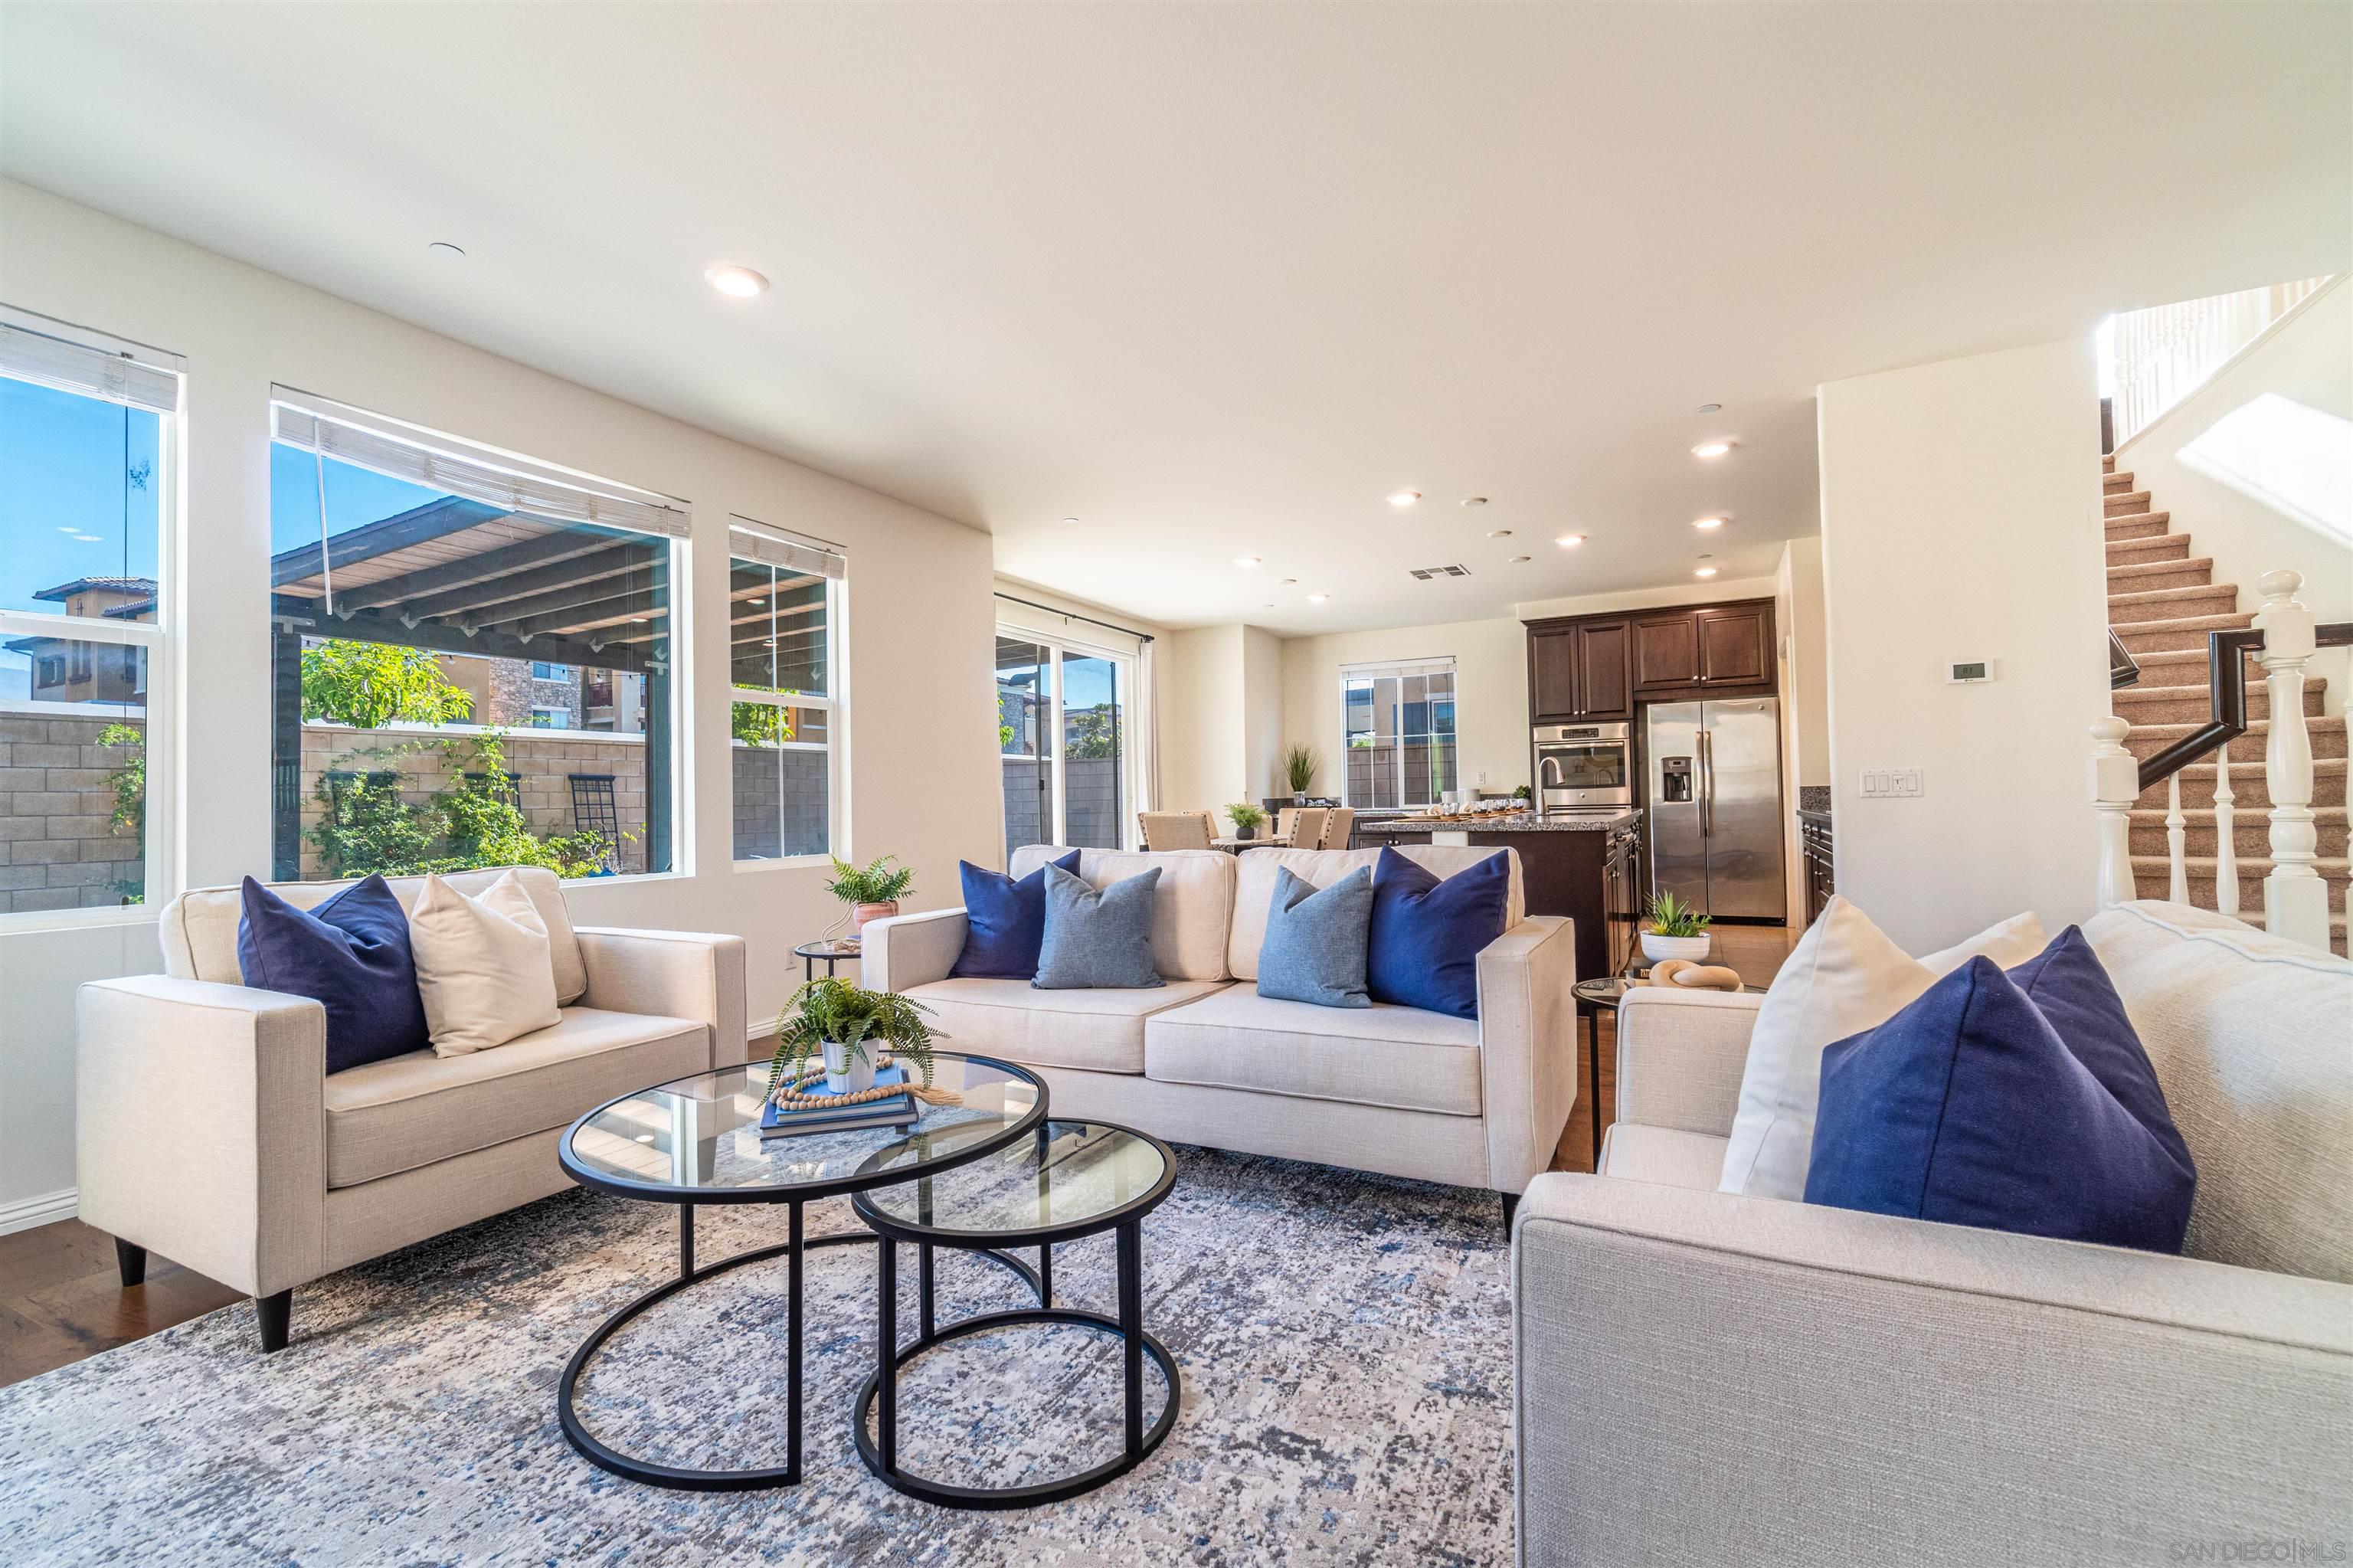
1286 818
1175 829
1339 824
1307 827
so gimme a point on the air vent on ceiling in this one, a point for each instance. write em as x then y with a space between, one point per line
1426 574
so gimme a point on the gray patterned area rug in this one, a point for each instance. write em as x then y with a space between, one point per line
1344 1344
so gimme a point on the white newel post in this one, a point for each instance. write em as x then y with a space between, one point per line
2295 900
2116 785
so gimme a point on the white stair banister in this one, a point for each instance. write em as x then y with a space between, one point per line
2116 785
2295 900
2226 843
2177 888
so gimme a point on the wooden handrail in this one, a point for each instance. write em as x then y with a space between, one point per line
2228 698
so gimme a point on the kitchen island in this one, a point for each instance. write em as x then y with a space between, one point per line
1587 868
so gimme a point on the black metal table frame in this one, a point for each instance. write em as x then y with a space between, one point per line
794 1248
881 1392
808 954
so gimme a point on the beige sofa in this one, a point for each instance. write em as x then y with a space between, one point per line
1206 1060
208 1130
1704 1378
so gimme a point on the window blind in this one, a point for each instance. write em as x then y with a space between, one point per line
89 372
772 547
477 479
1400 667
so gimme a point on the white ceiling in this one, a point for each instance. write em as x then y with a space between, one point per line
1214 280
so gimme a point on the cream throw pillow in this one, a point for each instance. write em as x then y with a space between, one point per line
1846 975
485 969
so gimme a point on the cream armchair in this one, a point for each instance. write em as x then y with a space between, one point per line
1707 1378
208 1130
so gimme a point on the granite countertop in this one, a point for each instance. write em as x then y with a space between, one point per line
1516 823
1814 798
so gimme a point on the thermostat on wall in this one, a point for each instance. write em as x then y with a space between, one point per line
1968 673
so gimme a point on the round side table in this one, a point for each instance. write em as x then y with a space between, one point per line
831 950
1077 1178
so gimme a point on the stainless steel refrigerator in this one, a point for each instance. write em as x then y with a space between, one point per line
1715 775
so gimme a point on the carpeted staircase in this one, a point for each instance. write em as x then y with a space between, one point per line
2163 602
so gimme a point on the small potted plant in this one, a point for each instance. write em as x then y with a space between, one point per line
872 893
848 1026
1300 765
1246 819
1523 794
1676 931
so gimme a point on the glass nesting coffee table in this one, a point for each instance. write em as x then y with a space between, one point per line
1065 1180
697 1140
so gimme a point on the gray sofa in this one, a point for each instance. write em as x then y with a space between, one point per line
208 1130
1204 1059
1706 1378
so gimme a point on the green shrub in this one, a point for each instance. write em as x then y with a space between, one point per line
370 684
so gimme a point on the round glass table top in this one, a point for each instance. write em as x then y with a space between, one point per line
698 1140
1064 1175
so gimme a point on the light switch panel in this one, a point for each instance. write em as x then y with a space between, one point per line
1892 783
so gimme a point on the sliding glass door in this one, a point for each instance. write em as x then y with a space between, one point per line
1062 717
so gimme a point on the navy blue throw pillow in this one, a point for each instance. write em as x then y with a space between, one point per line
1005 921
1428 932
2014 1102
350 953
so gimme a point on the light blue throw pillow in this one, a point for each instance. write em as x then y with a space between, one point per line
1316 940
1097 940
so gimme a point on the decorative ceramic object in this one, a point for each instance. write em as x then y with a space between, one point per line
862 913
848 1072
1655 947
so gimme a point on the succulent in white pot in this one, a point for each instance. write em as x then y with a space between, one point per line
1676 931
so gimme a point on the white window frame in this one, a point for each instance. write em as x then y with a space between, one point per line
455 465
1396 669
1132 753
834 702
145 375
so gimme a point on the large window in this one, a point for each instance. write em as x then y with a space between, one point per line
1397 731
1064 733
88 445
470 657
783 595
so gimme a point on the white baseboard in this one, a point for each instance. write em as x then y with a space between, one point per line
26 1213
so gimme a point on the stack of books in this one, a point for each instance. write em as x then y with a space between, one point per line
894 1110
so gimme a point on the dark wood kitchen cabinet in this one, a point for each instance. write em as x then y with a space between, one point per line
1686 651
1578 671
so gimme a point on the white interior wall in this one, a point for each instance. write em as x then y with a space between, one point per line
1491 694
922 747
1805 700
2308 358
1961 520
1203 760
1260 714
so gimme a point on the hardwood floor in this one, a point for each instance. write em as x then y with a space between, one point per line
1755 952
61 1300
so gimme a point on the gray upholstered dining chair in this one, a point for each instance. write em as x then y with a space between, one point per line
1177 830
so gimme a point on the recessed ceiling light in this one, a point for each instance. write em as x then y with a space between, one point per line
1474 501
1704 572
446 251
1708 521
1288 581
1318 597
1519 560
1501 534
1569 541
1711 448
736 282
1710 408
1072 521
645 1137
1404 497
1246 562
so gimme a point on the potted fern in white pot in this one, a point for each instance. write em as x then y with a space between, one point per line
1676 931
848 1027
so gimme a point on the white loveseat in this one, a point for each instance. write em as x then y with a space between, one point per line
1708 1378
1206 1060
209 1130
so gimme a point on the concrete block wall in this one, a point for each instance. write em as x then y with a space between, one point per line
545 762
782 801
56 850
